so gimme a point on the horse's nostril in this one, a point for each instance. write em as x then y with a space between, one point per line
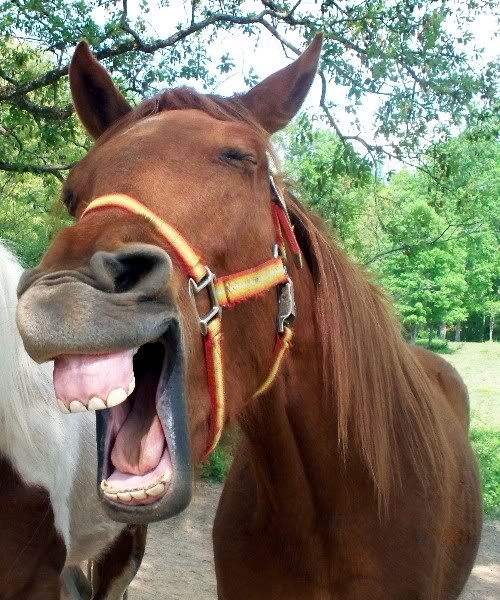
140 268
129 270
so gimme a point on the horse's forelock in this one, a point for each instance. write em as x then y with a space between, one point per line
185 98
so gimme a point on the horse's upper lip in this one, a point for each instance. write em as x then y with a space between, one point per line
66 314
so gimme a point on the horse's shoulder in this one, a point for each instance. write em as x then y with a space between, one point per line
443 374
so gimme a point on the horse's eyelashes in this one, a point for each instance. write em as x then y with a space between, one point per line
233 155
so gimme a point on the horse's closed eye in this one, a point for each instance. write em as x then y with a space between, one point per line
235 155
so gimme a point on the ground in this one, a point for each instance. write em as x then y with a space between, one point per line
179 564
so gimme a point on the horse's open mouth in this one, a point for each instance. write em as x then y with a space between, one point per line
142 436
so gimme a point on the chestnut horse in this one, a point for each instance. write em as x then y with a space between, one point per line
50 516
355 478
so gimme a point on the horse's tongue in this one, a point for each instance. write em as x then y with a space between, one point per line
140 441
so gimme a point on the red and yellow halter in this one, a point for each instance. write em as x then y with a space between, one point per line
226 292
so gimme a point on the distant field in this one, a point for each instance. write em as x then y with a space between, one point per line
479 365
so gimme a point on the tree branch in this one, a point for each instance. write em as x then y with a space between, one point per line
54 170
39 111
134 44
437 240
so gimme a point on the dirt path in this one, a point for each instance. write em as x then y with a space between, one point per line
178 564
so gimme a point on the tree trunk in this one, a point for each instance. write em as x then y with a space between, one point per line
429 342
492 327
413 334
442 331
482 328
458 331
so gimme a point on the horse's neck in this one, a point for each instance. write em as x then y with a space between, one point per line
24 383
292 432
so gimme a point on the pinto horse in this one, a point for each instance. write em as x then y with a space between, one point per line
355 478
50 515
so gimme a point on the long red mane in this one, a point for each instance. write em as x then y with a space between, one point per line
383 399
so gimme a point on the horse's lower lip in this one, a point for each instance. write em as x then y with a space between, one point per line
172 492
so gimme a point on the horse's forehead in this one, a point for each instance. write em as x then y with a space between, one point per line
186 126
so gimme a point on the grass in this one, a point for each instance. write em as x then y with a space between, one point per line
486 444
217 467
479 365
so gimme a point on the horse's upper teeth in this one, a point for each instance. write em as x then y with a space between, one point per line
62 407
96 403
116 397
76 406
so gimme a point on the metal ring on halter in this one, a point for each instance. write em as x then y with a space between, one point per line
208 283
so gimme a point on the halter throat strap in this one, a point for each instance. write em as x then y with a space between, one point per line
225 292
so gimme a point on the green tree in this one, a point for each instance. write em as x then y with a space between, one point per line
425 267
492 308
466 186
432 236
403 53
329 175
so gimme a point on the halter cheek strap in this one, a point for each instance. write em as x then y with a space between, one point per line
226 292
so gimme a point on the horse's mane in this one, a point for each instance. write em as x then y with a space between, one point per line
383 399
186 98
25 385
385 405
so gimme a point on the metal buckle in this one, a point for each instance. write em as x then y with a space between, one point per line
286 306
278 253
195 288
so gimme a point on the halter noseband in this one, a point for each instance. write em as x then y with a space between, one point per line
226 292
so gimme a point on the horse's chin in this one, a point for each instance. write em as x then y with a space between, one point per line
144 454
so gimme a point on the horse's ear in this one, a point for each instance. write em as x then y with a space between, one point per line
277 99
97 100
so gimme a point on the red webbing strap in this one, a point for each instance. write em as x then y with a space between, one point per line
285 229
251 283
191 260
276 209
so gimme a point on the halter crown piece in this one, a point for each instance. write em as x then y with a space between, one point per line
226 292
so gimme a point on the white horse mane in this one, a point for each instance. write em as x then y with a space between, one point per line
24 384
